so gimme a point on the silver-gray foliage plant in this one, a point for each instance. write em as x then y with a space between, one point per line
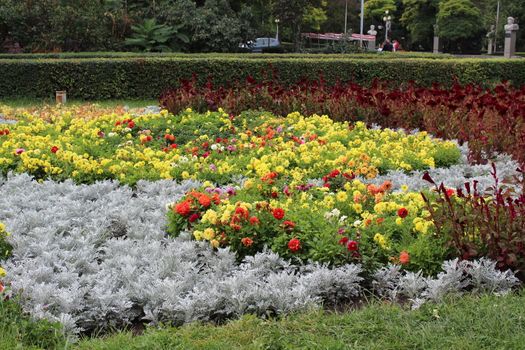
97 256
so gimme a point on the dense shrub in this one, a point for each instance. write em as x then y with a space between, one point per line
148 77
117 54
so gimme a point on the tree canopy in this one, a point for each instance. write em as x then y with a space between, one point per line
220 25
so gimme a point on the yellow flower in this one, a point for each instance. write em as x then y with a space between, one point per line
197 235
210 216
381 241
214 243
208 234
341 196
2 272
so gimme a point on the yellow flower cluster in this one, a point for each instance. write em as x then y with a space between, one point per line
3 235
209 146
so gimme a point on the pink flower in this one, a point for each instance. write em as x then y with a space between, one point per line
19 151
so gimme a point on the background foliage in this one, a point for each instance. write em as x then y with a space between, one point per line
220 25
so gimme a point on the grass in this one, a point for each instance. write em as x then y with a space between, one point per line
36 103
462 323
470 322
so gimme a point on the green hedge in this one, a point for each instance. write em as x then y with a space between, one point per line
148 77
71 55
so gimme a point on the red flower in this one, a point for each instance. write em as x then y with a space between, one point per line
402 213
352 246
334 173
404 257
173 145
294 245
343 241
246 241
254 220
54 149
1 287
183 208
193 217
242 212
131 124
289 224
450 192
278 213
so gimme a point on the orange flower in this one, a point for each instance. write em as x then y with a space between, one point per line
183 208
404 258
204 200
246 241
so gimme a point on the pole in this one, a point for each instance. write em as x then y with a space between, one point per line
496 32
362 24
346 16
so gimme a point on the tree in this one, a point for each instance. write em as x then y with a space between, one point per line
460 23
376 8
419 17
151 36
315 16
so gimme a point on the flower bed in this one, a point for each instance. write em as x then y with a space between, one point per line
491 121
213 146
269 215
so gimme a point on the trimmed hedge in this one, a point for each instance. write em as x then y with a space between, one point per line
102 54
113 78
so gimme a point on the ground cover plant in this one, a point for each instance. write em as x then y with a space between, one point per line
268 215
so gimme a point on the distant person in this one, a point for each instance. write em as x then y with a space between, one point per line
387 46
396 45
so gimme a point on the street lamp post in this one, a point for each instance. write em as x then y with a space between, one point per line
388 23
277 23
346 16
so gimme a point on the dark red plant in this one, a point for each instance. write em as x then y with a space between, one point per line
482 225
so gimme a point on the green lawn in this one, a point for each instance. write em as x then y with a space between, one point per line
465 323
487 322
